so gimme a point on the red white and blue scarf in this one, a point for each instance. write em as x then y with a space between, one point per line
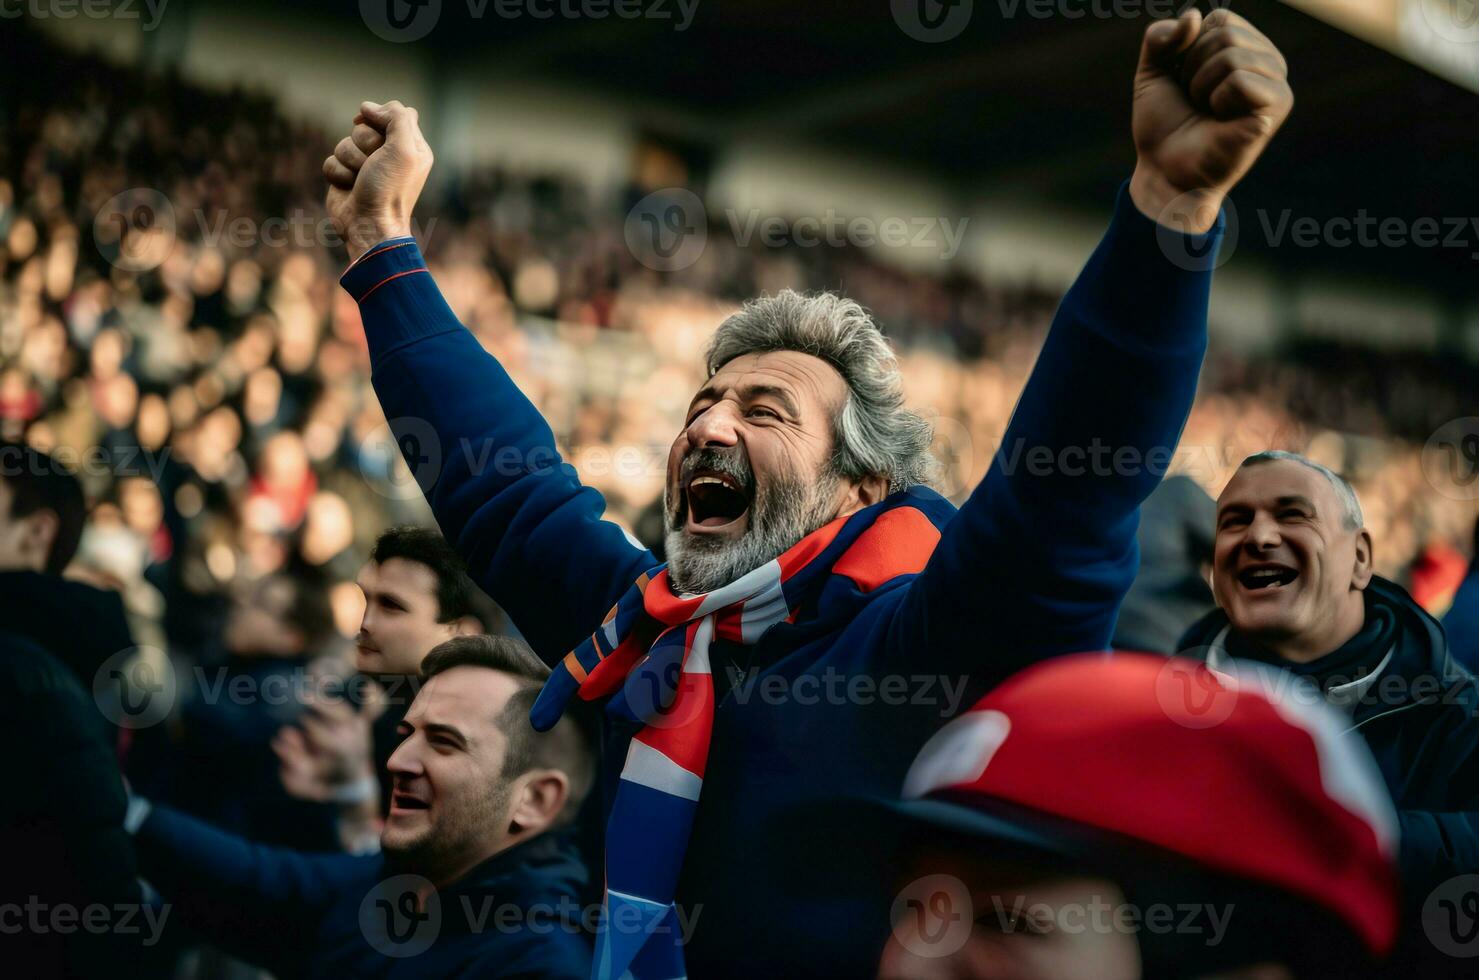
650 662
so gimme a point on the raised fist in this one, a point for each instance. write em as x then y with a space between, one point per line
376 175
1209 95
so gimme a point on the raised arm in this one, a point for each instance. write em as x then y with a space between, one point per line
532 535
260 903
1040 556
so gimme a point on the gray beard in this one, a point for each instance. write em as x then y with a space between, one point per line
783 515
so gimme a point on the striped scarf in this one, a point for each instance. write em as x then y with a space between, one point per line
650 662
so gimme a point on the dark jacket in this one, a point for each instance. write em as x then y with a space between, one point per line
62 842
80 625
1420 718
346 916
1461 622
1034 564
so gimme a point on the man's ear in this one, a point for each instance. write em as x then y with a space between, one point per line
867 492
1365 561
538 803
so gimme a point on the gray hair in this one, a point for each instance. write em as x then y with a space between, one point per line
1344 492
874 434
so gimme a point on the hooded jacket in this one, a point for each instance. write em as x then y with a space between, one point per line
1418 711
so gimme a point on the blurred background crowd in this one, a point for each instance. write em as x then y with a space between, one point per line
172 328
220 387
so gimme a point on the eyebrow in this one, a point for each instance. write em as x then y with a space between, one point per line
437 728
1293 499
750 393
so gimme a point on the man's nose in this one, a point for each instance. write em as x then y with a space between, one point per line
1263 534
716 426
404 760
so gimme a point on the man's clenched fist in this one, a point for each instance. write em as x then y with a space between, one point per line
1209 94
376 174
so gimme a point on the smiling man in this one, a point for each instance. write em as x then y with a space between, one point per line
417 595
479 817
1292 574
803 542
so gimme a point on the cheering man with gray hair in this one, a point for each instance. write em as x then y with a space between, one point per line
1292 572
821 610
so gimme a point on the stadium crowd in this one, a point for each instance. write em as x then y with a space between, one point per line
212 393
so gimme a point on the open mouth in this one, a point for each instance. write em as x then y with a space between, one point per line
404 801
1258 578
715 500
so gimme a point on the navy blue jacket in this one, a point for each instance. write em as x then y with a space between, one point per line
1034 564
1420 719
1461 622
516 915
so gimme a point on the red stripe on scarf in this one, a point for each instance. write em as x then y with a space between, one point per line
900 542
686 744
665 607
809 547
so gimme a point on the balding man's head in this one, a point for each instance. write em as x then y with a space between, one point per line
1292 556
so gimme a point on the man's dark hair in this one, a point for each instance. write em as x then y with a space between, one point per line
426 546
566 747
38 482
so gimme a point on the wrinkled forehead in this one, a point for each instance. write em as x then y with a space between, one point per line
1266 484
806 376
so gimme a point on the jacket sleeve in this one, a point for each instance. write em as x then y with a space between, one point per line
532 535
1038 559
263 904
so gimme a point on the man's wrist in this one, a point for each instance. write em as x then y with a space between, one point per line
365 233
1190 212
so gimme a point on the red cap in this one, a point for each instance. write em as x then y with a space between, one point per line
1241 774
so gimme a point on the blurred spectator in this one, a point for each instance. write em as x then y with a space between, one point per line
62 841
1003 871
1171 591
280 643
41 524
